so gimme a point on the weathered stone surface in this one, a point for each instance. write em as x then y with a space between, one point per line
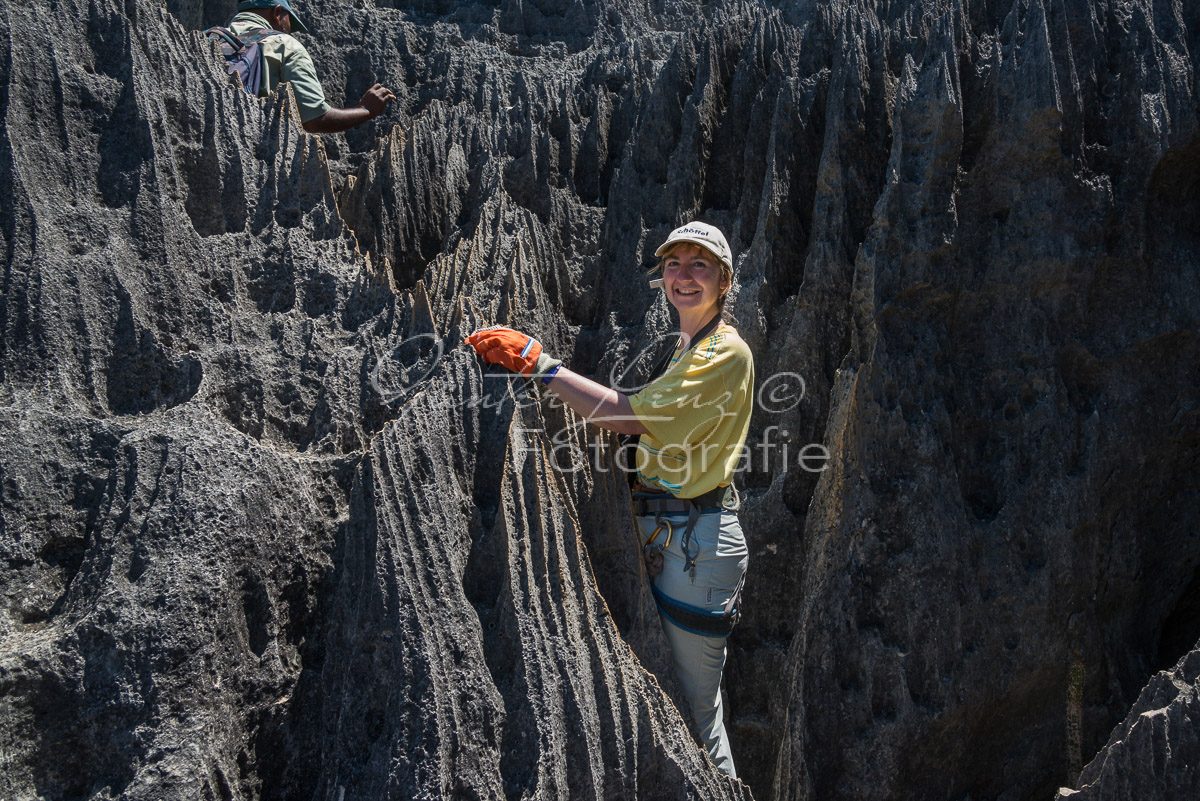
270 532
1154 753
266 532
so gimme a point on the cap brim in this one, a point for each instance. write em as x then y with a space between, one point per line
695 240
297 25
672 242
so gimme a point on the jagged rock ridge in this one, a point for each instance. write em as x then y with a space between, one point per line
1153 752
270 534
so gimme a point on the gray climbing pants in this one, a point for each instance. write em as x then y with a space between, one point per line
720 562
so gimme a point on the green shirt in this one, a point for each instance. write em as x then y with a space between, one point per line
287 61
697 413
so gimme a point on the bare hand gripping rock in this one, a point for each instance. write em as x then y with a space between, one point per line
280 58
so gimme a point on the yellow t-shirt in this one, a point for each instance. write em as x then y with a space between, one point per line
287 62
697 413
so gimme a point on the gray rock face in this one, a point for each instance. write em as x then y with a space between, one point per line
1154 753
269 530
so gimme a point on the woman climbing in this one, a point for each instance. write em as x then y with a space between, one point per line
691 423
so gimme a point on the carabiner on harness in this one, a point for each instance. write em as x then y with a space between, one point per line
662 523
652 552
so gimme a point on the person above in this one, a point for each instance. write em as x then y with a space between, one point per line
691 422
288 61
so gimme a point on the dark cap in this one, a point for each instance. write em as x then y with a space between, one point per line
297 25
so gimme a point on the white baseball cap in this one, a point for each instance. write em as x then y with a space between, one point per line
703 234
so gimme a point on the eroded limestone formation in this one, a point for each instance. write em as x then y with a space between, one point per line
270 531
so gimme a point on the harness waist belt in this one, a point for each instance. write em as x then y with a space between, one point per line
711 501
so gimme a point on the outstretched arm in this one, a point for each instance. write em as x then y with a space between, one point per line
341 119
523 354
601 405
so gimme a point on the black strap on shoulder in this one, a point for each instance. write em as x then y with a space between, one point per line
236 42
217 32
660 366
629 443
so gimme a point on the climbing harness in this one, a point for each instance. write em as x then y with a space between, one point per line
659 504
708 622
647 502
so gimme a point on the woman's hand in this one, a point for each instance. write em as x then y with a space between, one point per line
506 347
523 354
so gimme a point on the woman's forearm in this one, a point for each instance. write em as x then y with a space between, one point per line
601 405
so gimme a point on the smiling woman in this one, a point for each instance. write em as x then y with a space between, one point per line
691 422
697 273
695 281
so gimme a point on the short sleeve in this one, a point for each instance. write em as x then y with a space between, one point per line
298 70
696 417
685 405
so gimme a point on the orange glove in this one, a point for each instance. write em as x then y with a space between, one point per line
509 348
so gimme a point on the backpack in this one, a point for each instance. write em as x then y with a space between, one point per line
243 55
